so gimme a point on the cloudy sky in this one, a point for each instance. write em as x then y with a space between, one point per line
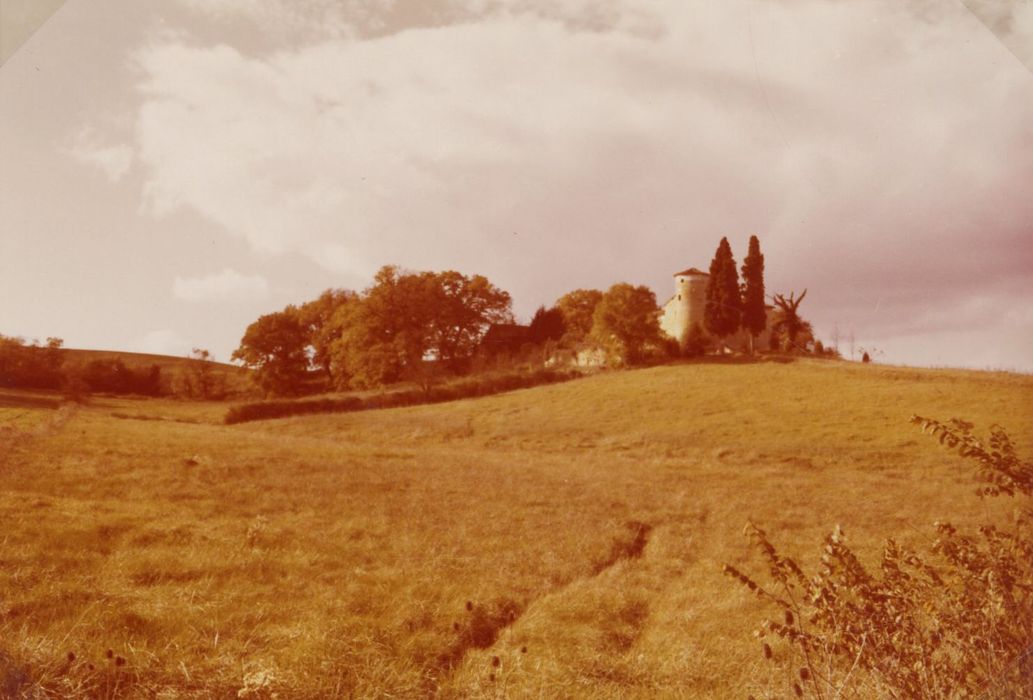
171 169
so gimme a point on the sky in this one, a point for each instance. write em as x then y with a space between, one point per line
172 169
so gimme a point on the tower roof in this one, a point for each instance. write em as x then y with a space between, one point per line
690 271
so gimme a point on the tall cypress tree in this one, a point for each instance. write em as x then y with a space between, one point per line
754 316
723 310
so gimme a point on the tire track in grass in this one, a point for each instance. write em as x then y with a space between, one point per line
484 622
11 438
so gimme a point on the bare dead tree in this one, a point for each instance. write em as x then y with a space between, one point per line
789 321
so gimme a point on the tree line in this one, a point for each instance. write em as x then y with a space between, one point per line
411 326
32 365
732 305
407 325
385 334
417 326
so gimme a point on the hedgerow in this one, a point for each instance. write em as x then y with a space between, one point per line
481 385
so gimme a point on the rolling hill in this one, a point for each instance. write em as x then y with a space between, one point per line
562 541
138 360
232 377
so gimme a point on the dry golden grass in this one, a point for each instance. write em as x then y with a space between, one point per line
564 541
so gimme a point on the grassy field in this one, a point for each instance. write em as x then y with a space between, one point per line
563 541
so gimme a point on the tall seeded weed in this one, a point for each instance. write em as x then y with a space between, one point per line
955 620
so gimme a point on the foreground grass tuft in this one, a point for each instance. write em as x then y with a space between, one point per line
953 621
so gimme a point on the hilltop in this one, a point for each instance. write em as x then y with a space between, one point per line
140 360
78 371
557 541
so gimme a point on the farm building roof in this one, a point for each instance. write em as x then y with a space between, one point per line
690 271
505 337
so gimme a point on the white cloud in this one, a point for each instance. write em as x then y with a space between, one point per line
228 285
114 160
425 141
880 152
285 19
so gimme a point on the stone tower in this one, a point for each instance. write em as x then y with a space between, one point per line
685 308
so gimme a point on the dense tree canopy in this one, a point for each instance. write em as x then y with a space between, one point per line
578 309
406 318
201 379
387 331
626 322
754 313
546 324
383 335
112 376
696 342
722 313
274 347
321 319
30 365
462 308
35 366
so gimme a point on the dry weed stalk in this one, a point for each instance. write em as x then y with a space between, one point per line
956 621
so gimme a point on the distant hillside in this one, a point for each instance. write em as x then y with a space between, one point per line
234 378
136 360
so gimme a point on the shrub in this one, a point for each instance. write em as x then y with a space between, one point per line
30 366
112 376
954 621
696 342
76 389
669 349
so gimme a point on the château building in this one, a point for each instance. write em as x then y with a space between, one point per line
685 309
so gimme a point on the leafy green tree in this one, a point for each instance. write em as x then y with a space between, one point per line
461 310
754 313
53 357
274 347
626 322
321 319
578 309
201 380
111 375
723 310
387 332
406 318
149 382
31 365
10 358
546 324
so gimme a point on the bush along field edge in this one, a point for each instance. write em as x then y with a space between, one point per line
484 385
